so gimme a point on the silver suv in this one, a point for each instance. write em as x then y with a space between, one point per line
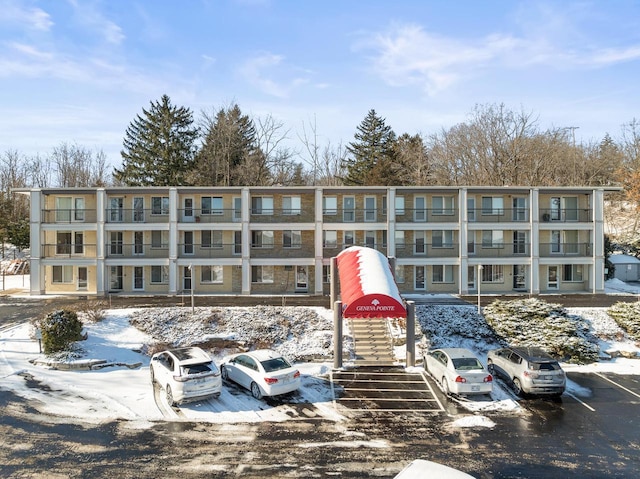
529 370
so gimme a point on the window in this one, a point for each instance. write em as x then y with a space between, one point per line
572 272
556 211
138 209
419 244
211 239
237 242
262 239
399 205
349 209
159 239
78 209
519 242
570 204
399 273
116 243
443 205
329 205
370 208
159 205
471 209
115 277
492 273
159 274
442 238
419 208
63 209
262 274
370 239
211 274
211 205
519 209
326 273
492 239
138 277
291 205
492 205
330 239
555 241
237 208
116 206
83 278
188 242
62 274
138 242
419 277
63 242
442 273
571 245
262 205
78 242
291 239
349 238
399 238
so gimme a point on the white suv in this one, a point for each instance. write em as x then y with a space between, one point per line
529 370
186 374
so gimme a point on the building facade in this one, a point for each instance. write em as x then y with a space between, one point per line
280 240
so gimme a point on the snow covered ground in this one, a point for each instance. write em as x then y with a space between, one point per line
123 390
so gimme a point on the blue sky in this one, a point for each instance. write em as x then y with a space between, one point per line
79 71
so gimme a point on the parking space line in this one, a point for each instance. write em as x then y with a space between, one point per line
619 385
581 402
433 393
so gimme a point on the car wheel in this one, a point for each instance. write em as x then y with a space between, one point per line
170 396
224 373
255 391
491 367
445 386
153 379
517 387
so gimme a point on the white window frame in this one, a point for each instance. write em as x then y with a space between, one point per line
492 205
492 273
399 206
291 205
212 205
262 205
370 209
330 205
161 272
62 274
442 238
291 239
329 239
442 273
211 239
348 209
443 205
159 205
420 209
417 272
575 270
262 274
492 239
419 242
262 239
211 274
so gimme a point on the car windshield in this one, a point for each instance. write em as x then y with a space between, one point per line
547 366
275 364
466 364
196 369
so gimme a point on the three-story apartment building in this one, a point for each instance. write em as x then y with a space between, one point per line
280 240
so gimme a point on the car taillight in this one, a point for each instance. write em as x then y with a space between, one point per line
270 380
460 379
296 374
531 375
180 379
488 379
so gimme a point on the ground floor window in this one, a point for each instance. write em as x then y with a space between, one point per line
419 277
399 274
115 277
492 273
262 274
62 274
572 273
442 273
159 274
211 274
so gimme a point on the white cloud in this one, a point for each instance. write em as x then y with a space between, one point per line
93 20
31 18
261 71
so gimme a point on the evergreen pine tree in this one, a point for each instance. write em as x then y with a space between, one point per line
159 146
372 160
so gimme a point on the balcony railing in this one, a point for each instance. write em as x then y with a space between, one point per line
505 250
445 250
354 215
565 249
565 215
497 215
211 215
425 215
188 250
281 216
121 215
139 250
69 250
69 216
331 249
280 251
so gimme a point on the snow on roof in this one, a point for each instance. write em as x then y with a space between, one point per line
367 286
623 259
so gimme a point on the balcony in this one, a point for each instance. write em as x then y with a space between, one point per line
121 215
331 250
354 215
65 250
281 216
566 215
425 250
498 215
136 250
69 216
425 215
189 250
212 215
281 252
549 250
505 250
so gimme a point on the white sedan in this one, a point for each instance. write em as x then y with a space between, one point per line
458 371
263 372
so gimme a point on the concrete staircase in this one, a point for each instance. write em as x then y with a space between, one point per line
372 343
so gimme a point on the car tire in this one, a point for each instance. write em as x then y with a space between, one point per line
151 375
255 391
517 387
224 373
445 386
169 395
491 368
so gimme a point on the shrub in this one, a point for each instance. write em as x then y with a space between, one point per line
627 315
60 329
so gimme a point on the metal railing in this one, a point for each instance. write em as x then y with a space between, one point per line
566 215
69 216
565 249
69 250
136 250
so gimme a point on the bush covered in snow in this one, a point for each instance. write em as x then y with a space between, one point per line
627 315
534 322
59 330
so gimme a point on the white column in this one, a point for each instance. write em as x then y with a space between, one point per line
37 270
317 241
101 270
246 241
463 235
534 221
597 270
173 241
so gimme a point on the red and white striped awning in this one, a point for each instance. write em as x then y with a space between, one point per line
367 286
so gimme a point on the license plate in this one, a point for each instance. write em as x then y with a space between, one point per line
475 388
548 378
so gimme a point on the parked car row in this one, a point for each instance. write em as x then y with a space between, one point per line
189 374
530 371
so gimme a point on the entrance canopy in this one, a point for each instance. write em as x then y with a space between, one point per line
367 287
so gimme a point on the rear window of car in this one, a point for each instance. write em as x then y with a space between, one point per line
275 364
196 369
466 364
546 366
